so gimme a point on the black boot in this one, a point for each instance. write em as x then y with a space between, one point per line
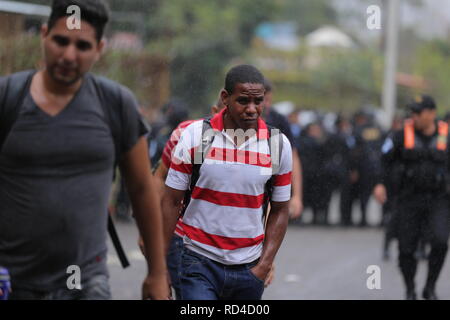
429 294
411 295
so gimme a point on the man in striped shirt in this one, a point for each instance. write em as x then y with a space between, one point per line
228 251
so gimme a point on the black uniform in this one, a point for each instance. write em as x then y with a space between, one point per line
392 179
422 202
369 139
317 186
340 146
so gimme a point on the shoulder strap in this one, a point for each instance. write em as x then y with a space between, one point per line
13 90
275 140
110 97
111 101
199 157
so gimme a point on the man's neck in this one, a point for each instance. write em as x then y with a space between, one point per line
58 89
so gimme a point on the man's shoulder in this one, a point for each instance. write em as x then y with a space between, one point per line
187 123
106 83
20 77
192 132
111 88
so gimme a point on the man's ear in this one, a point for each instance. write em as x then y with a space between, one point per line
100 49
224 96
214 110
44 30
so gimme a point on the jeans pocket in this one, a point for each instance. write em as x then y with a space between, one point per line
254 277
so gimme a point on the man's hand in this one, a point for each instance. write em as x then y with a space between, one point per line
155 287
270 276
295 208
379 192
261 272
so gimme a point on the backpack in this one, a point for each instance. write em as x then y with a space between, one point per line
206 144
13 90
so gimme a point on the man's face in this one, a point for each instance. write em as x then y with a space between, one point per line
245 104
424 119
69 54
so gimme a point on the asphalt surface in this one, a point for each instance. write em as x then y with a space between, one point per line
314 263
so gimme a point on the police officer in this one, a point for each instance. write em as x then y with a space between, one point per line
368 141
314 154
421 149
340 145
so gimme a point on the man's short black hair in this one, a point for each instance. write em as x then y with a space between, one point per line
95 12
242 74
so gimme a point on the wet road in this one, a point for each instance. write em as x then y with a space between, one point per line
320 263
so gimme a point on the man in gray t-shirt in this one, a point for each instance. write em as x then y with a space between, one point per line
56 168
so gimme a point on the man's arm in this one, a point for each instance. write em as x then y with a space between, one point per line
390 153
275 231
279 213
296 202
160 177
171 206
135 168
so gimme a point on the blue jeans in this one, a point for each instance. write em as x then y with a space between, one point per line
95 288
205 279
174 262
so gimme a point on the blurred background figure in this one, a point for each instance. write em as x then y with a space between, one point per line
172 114
367 151
392 181
312 147
296 129
341 144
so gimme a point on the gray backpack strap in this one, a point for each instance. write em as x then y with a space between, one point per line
207 140
199 156
13 90
275 148
275 151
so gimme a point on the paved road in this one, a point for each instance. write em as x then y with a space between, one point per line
313 263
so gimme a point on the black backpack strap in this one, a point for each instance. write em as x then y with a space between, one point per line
199 156
110 97
13 90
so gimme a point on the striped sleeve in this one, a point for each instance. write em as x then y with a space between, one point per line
169 148
181 166
282 182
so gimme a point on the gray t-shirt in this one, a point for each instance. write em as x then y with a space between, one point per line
55 180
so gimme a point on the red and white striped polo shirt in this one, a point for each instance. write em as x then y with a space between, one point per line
224 219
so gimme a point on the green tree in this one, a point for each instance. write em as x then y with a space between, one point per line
201 37
433 64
